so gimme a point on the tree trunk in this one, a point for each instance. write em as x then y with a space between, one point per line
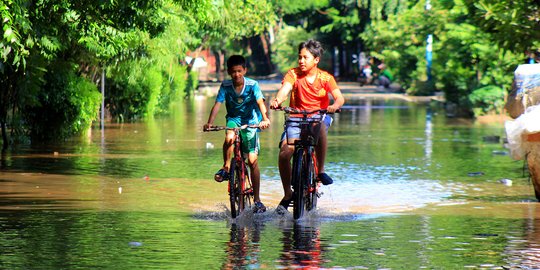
5 141
260 63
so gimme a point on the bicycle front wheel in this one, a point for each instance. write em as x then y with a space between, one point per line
299 184
233 190
312 179
240 190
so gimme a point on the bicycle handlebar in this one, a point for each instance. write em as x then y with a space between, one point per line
291 110
218 128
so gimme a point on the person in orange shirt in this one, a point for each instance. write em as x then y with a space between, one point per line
309 88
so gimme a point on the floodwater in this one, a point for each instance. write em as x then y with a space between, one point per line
412 190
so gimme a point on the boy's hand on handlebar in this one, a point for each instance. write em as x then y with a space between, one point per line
207 126
332 109
275 103
264 124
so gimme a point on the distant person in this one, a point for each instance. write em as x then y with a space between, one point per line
367 73
532 57
309 88
385 76
245 106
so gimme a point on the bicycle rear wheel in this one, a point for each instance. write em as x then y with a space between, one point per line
299 184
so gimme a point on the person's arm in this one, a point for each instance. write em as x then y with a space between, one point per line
262 107
212 116
339 100
281 95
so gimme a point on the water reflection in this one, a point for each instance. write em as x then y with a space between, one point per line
302 247
429 134
525 253
299 245
243 247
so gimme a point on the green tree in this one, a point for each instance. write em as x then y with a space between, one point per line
505 18
465 54
39 36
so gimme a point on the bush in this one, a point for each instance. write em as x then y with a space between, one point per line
139 89
66 105
421 88
487 99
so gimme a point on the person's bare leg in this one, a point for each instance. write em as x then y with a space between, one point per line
255 176
228 147
284 163
320 149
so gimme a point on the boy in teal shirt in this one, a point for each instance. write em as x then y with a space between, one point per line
245 106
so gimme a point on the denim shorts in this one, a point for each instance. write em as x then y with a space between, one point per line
292 128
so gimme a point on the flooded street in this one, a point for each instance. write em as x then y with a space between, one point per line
412 190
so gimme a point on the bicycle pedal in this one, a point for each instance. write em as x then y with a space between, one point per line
319 194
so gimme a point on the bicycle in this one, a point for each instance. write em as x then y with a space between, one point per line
240 188
304 180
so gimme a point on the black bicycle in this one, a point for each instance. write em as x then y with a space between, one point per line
240 188
304 180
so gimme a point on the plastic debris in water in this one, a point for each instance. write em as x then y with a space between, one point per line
209 145
135 244
119 190
146 177
506 182
492 139
475 174
502 153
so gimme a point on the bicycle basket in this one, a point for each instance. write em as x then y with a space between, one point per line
308 128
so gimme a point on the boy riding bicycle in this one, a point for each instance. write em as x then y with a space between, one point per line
245 106
309 88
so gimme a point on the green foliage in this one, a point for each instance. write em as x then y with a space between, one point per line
130 87
66 106
464 54
294 6
141 89
487 99
286 47
192 83
508 18
400 42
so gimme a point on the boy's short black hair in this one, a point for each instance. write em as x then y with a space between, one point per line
313 46
236 60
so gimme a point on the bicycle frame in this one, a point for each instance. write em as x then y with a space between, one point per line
304 165
240 187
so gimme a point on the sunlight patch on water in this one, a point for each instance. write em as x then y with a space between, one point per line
375 189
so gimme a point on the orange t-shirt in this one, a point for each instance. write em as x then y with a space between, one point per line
310 96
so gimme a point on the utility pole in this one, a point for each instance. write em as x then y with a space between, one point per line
429 47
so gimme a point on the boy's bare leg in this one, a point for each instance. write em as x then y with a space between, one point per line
228 148
285 155
255 176
320 149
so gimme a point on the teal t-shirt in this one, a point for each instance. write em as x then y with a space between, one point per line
242 108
